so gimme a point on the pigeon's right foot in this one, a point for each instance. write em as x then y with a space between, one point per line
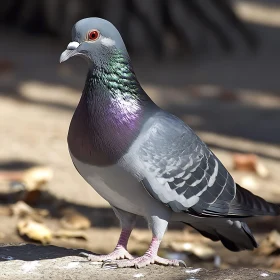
118 254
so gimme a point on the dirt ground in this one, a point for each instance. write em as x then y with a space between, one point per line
51 262
231 100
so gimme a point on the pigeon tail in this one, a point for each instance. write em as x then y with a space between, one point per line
246 204
234 235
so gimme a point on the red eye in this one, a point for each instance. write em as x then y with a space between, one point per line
93 35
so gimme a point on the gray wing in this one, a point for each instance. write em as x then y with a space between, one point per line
183 173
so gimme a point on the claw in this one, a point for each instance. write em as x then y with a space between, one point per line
109 265
182 263
83 254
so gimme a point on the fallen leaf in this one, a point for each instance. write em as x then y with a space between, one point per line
270 245
34 230
22 209
74 220
34 178
250 162
246 162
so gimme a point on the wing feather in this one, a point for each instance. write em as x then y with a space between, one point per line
182 172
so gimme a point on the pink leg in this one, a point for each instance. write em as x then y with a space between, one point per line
120 251
149 257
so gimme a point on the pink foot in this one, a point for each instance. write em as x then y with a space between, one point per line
148 258
120 251
118 254
143 261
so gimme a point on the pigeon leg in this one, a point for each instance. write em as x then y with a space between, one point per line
158 227
127 221
120 252
150 257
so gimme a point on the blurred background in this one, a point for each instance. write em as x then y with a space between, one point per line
213 63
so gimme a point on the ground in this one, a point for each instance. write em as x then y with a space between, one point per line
51 262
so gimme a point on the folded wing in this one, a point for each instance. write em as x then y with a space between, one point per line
183 173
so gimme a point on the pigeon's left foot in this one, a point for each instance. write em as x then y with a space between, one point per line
150 257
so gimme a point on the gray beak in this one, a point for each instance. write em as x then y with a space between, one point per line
70 51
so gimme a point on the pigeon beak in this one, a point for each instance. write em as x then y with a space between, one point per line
70 51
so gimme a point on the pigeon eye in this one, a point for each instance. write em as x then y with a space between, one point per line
93 35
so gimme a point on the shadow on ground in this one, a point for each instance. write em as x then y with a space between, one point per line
31 252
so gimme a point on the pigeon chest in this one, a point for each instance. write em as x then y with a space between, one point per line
99 135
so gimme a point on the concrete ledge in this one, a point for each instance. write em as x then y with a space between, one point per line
28 261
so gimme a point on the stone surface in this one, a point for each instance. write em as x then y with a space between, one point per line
28 261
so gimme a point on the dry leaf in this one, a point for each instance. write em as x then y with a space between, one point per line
246 162
22 209
35 177
34 230
74 220
64 233
250 162
270 244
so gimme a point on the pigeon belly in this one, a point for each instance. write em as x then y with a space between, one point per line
117 186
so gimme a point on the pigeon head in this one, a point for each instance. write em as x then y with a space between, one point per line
94 39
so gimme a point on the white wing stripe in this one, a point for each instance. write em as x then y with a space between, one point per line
212 179
187 177
181 184
180 175
197 182
189 164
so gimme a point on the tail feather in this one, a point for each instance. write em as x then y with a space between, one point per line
247 204
234 235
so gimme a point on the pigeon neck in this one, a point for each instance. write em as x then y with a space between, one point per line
115 88
110 115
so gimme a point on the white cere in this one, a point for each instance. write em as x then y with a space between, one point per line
108 42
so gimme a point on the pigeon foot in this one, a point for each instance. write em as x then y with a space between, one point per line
117 254
142 262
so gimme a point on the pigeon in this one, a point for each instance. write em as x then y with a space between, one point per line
145 161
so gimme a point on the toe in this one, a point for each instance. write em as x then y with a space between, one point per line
167 262
89 257
115 255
